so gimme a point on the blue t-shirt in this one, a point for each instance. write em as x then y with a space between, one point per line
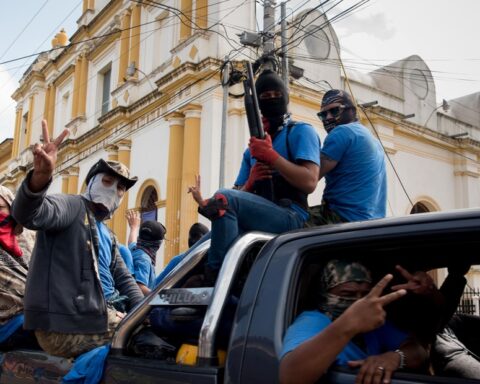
143 268
105 259
127 257
356 189
310 323
304 144
169 267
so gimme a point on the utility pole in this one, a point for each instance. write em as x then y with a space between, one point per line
283 8
223 134
268 32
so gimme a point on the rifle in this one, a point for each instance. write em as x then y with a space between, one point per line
262 188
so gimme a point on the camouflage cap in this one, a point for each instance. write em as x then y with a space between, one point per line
337 272
114 168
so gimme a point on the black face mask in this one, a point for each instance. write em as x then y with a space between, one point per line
274 110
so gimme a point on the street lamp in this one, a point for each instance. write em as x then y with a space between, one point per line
409 116
369 104
445 106
458 135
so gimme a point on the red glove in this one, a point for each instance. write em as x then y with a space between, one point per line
262 150
259 171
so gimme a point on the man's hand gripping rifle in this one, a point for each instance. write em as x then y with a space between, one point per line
263 187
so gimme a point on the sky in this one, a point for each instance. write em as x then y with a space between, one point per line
442 32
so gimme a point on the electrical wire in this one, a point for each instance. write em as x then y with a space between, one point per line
149 32
349 10
48 36
387 155
29 22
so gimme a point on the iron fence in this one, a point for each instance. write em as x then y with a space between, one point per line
470 301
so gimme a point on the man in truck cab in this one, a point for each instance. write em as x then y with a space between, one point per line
349 328
352 162
78 286
289 156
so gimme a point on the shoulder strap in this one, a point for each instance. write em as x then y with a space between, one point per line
114 241
290 125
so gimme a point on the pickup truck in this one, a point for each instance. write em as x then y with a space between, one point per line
274 277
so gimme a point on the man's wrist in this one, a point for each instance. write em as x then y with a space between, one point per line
348 325
402 360
39 181
271 157
248 185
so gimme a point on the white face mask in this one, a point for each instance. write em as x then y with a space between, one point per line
99 193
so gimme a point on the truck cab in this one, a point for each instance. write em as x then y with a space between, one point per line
274 280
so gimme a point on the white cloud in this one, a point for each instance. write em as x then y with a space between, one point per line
7 104
375 25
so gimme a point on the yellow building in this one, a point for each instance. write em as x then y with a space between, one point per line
139 82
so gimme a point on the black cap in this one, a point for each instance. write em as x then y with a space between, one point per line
195 233
268 80
114 168
152 231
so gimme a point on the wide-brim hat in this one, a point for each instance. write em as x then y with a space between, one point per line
114 168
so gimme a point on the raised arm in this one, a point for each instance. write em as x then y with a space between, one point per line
195 190
44 159
32 208
133 220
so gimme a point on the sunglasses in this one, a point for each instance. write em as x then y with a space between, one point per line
335 111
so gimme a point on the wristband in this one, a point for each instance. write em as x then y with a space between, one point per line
402 364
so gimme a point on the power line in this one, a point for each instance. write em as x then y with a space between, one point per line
326 23
48 36
387 155
149 32
420 134
24 29
385 69
177 15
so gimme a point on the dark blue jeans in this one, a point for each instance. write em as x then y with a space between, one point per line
247 212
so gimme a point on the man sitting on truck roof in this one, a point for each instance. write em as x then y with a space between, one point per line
352 162
348 328
289 156
78 286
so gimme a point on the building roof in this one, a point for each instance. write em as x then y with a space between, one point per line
466 109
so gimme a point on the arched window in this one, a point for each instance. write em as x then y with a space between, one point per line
419 208
148 208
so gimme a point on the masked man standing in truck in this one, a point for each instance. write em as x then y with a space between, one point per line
289 156
78 286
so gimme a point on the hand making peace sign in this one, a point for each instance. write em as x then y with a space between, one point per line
367 313
45 159
419 282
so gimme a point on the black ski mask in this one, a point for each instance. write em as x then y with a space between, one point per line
344 114
274 109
